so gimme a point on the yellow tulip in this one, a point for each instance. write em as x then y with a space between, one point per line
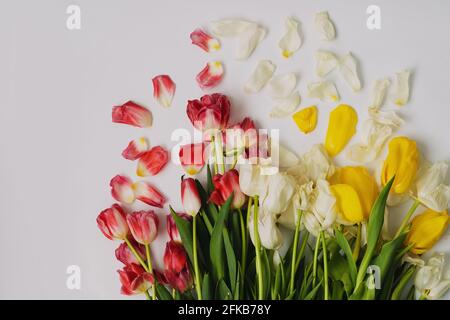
355 190
402 161
426 229
306 119
341 128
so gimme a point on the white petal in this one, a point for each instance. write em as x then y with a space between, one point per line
349 70
281 188
281 86
431 189
401 94
286 107
287 218
314 165
379 92
291 40
325 26
229 27
326 62
260 76
388 117
287 158
248 40
324 206
251 181
269 233
323 90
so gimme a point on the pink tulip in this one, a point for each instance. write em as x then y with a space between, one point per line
193 157
190 197
134 280
172 229
210 112
113 223
124 254
143 226
133 114
224 186
176 267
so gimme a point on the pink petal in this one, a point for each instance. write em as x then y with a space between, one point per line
152 161
133 114
121 189
163 90
205 41
148 194
211 75
135 149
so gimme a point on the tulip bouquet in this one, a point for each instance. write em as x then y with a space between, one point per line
265 223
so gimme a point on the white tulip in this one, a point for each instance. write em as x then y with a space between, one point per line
269 233
301 200
431 190
431 282
281 188
314 164
251 181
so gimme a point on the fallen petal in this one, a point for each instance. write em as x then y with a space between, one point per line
229 27
211 75
324 26
163 90
205 41
281 86
379 92
349 70
135 149
260 76
291 40
152 161
401 95
326 62
121 189
287 157
249 40
133 114
387 117
306 119
286 106
323 90
148 194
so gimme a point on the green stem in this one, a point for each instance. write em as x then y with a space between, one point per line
325 264
397 293
316 254
258 250
136 254
220 151
216 166
244 245
357 247
405 220
235 159
302 250
150 269
147 295
294 252
194 249
207 222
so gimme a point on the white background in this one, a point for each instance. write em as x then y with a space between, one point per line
60 149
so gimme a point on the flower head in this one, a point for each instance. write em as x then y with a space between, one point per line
211 112
143 226
134 279
224 186
190 196
112 222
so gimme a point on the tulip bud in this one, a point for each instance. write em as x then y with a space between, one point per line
426 229
124 254
175 258
143 226
134 280
180 281
113 223
172 229
190 197
224 186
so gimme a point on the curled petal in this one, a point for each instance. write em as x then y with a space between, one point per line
349 70
326 62
205 41
286 106
152 161
306 119
147 193
281 86
387 117
314 165
249 40
211 75
229 27
121 189
323 90
291 40
379 92
324 26
163 90
133 114
260 76
401 95
281 188
135 149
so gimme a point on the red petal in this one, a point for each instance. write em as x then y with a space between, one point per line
133 114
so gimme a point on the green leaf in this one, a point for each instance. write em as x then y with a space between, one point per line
397 293
343 243
209 185
207 293
275 294
337 292
185 229
231 260
339 272
162 292
216 251
266 270
312 294
222 291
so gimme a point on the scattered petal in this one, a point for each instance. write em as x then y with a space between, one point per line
341 128
324 26
401 95
163 90
135 149
133 114
291 40
121 189
249 40
323 90
147 193
349 70
281 86
379 92
229 27
387 117
152 161
211 75
205 41
326 62
260 76
306 119
288 158
286 106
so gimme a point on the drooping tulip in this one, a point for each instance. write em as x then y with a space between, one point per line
341 128
113 223
134 280
211 112
402 161
132 114
431 190
224 186
126 256
121 189
176 267
431 280
426 229
193 157
147 193
315 164
152 161
143 226
251 181
171 226
190 196
281 188
269 233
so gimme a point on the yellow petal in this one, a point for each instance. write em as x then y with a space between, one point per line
341 128
306 119
348 202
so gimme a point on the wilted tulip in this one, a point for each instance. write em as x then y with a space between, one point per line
281 188
143 226
431 190
190 197
269 233
431 280
251 181
113 223
126 256
224 186
134 280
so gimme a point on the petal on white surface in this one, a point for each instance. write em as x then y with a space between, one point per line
324 26
229 27
387 117
248 40
315 164
401 95
326 62
379 92
281 86
291 41
286 106
349 70
260 76
287 157
323 90
431 190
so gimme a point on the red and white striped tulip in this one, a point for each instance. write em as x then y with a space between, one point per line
113 223
190 196
147 193
224 186
135 149
171 226
133 114
134 280
124 254
163 90
143 226
205 41
121 189
152 161
211 75
176 268
211 112
193 157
